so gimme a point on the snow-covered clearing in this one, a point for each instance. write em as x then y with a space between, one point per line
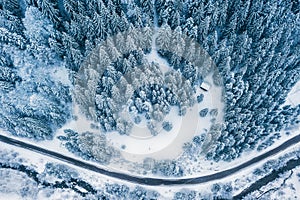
293 97
10 195
164 145
168 145
153 56
206 167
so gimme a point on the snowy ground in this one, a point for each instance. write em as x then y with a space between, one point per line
37 162
294 95
153 56
245 178
205 166
138 147
239 181
168 145
288 186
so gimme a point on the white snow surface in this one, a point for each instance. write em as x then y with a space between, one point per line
168 145
293 97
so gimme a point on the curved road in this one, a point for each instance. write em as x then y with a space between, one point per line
150 181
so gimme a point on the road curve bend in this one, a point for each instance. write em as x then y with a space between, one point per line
145 180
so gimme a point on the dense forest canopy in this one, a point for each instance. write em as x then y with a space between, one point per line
253 43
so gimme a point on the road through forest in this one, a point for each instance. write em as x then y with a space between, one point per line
146 180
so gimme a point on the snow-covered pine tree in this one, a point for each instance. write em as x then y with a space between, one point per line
50 9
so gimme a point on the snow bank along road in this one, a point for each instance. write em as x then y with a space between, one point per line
150 181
